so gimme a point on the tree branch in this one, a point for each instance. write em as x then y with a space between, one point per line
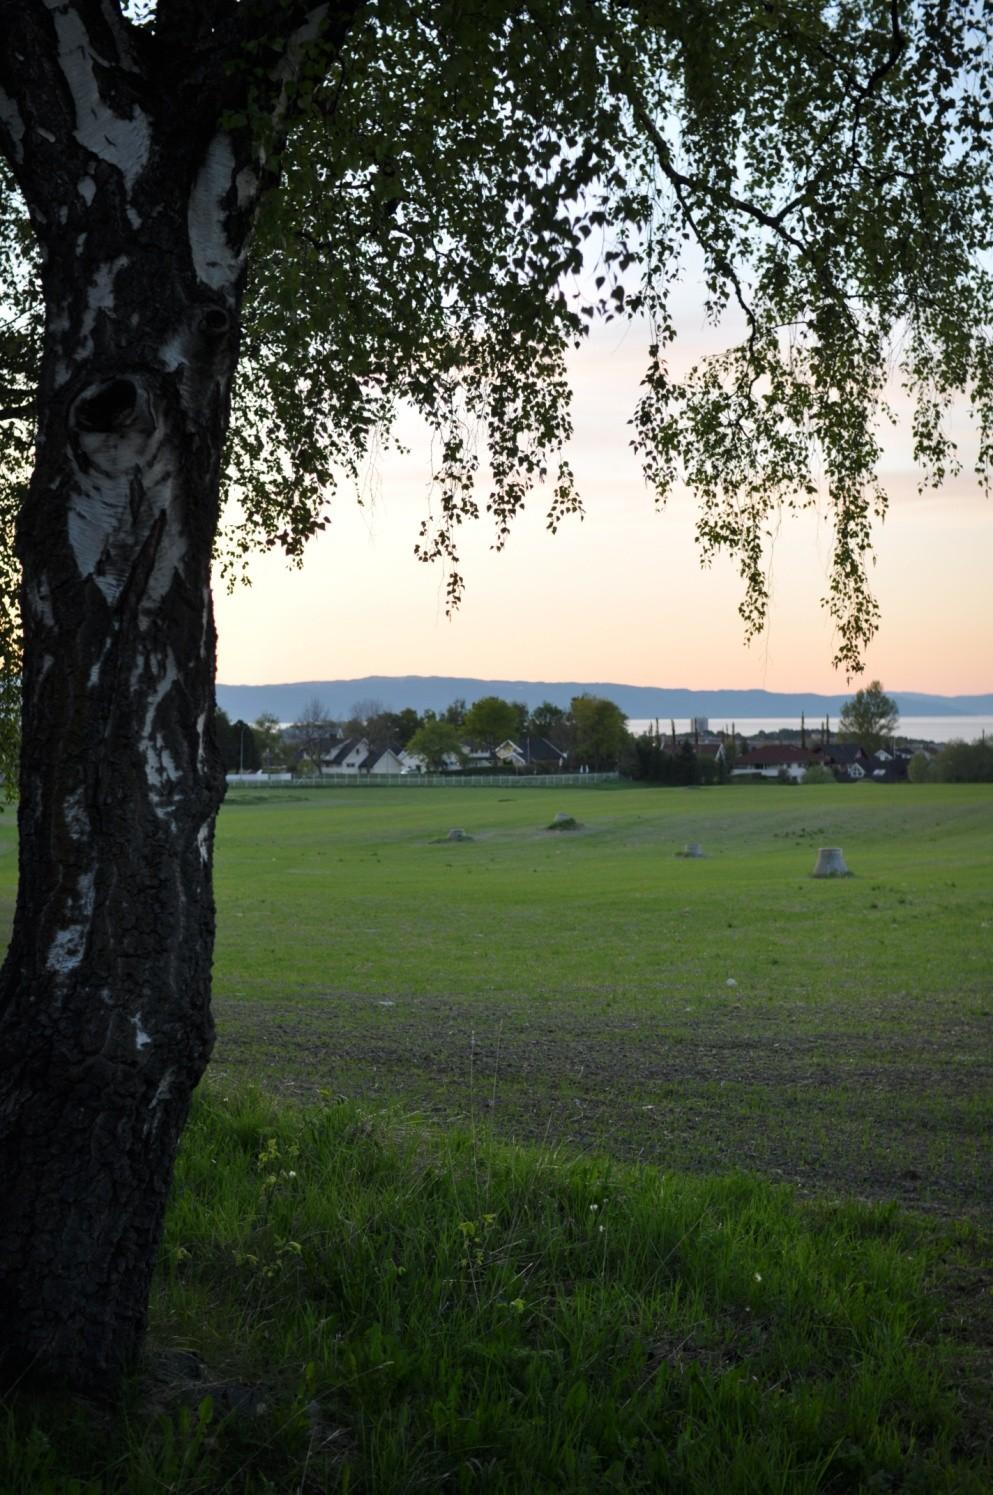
684 184
721 261
227 26
244 54
773 221
681 182
231 32
127 36
41 64
879 72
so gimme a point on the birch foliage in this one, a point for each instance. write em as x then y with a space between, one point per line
455 196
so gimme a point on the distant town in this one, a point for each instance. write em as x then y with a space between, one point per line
496 736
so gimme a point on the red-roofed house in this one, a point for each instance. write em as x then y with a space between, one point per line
774 759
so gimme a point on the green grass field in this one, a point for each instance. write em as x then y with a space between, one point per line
574 986
555 1207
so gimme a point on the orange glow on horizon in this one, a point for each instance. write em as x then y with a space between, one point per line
619 596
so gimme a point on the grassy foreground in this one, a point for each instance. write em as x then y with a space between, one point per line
503 1240
379 1309
592 988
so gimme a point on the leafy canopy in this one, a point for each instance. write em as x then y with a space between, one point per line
465 190
599 731
964 763
491 720
870 718
437 742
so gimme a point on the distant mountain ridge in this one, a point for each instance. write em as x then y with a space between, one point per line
435 692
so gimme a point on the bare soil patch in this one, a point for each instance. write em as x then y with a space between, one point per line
833 1113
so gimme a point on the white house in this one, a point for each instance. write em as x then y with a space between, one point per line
531 752
772 759
385 762
412 763
355 755
346 757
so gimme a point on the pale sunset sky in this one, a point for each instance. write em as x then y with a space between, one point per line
619 596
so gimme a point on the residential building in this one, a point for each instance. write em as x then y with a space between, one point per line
532 752
773 760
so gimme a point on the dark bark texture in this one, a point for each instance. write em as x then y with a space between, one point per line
142 203
105 1025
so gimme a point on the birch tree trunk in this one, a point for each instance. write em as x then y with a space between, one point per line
143 210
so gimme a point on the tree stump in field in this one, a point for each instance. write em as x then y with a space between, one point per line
830 863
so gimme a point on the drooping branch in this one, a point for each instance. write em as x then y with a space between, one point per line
683 183
886 64
727 200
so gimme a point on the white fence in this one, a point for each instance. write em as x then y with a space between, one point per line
259 778
427 781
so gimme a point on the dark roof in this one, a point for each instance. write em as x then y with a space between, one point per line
845 752
887 770
771 754
540 750
342 751
372 757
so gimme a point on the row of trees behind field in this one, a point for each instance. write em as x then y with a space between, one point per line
956 763
591 732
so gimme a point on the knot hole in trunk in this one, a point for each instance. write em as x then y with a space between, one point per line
213 324
108 407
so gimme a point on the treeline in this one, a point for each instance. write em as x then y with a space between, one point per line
592 732
653 759
956 763
267 745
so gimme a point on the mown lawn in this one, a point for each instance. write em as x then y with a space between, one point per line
594 988
617 1171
